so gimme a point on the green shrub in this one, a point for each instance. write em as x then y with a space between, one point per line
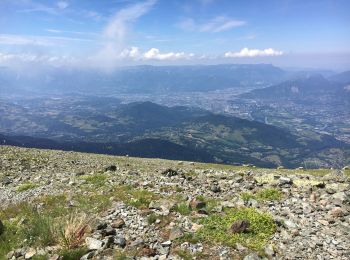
216 228
73 254
268 195
183 209
263 195
140 198
40 230
152 218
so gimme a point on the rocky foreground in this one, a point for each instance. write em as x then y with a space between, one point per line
65 205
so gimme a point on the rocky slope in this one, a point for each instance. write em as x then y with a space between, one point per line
65 205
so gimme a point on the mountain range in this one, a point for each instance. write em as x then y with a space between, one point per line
149 130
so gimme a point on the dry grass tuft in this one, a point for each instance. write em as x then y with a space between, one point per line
74 230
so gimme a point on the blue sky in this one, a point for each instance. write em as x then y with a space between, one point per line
108 33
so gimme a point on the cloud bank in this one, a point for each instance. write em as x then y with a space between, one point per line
245 52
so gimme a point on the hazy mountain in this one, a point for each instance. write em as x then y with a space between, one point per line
143 79
343 77
305 88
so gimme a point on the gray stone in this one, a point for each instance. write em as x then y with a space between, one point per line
240 226
215 188
118 223
252 256
87 256
283 181
137 242
111 168
30 253
269 251
289 224
175 233
166 243
93 244
120 241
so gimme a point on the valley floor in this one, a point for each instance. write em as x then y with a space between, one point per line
68 205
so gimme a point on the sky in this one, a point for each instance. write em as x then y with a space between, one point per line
110 33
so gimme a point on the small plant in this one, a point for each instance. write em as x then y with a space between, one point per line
210 205
98 180
74 230
216 228
268 195
184 254
40 230
246 196
263 195
152 218
26 186
189 237
73 254
141 198
200 198
183 209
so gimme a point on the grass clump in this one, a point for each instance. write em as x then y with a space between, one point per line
72 233
183 209
151 219
263 195
40 230
73 254
268 195
141 198
98 180
216 228
26 186
27 226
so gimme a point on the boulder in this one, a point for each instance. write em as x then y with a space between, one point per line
169 173
30 253
111 168
175 233
284 181
93 244
118 223
240 226
196 204
215 188
120 241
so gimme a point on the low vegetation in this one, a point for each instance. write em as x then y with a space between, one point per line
263 195
26 186
216 228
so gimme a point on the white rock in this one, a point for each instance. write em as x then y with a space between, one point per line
93 244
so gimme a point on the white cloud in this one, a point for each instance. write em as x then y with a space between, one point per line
155 54
62 5
133 53
245 52
215 25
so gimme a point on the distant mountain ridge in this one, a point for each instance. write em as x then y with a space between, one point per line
309 87
141 79
146 129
